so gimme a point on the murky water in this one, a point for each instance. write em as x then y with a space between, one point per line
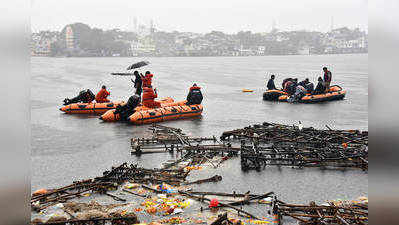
69 147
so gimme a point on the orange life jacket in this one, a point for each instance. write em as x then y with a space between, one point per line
148 98
102 96
147 80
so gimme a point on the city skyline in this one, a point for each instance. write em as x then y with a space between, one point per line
251 15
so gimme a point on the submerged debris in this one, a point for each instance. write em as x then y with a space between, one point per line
282 145
354 213
165 195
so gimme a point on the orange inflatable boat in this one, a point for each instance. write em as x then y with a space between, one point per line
100 108
90 108
167 111
109 115
165 114
335 93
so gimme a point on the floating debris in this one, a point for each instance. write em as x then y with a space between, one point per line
355 213
165 195
271 144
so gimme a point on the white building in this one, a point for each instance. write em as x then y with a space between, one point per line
69 38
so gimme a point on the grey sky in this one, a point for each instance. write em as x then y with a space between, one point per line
201 15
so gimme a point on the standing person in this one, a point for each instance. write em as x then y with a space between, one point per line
148 98
270 83
102 95
194 96
327 78
138 83
147 79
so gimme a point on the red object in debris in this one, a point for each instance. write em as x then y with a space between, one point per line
214 203
40 192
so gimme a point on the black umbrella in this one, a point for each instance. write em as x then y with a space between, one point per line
138 65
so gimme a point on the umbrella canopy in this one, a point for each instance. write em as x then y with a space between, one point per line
138 65
123 74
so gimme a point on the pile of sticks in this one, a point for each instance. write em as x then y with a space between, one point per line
322 214
117 175
257 157
133 173
283 145
279 133
97 221
66 193
165 139
169 139
236 205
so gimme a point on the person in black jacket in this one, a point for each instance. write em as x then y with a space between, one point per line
85 96
138 83
307 85
194 95
320 88
292 86
128 109
270 83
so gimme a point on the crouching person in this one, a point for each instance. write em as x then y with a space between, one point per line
300 91
194 96
126 110
149 96
85 96
102 95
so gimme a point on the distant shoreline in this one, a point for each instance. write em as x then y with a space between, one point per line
154 56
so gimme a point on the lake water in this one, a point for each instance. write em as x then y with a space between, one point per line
69 147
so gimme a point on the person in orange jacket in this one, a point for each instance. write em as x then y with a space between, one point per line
147 79
148 98
102 95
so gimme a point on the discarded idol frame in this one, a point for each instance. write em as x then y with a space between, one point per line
272 144
166 191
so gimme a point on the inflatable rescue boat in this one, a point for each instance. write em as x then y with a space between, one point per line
90 108
99 108
167 111
335 93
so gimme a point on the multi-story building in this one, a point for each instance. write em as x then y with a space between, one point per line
69 38
41 43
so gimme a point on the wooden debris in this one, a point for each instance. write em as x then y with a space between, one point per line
271 144
322 214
